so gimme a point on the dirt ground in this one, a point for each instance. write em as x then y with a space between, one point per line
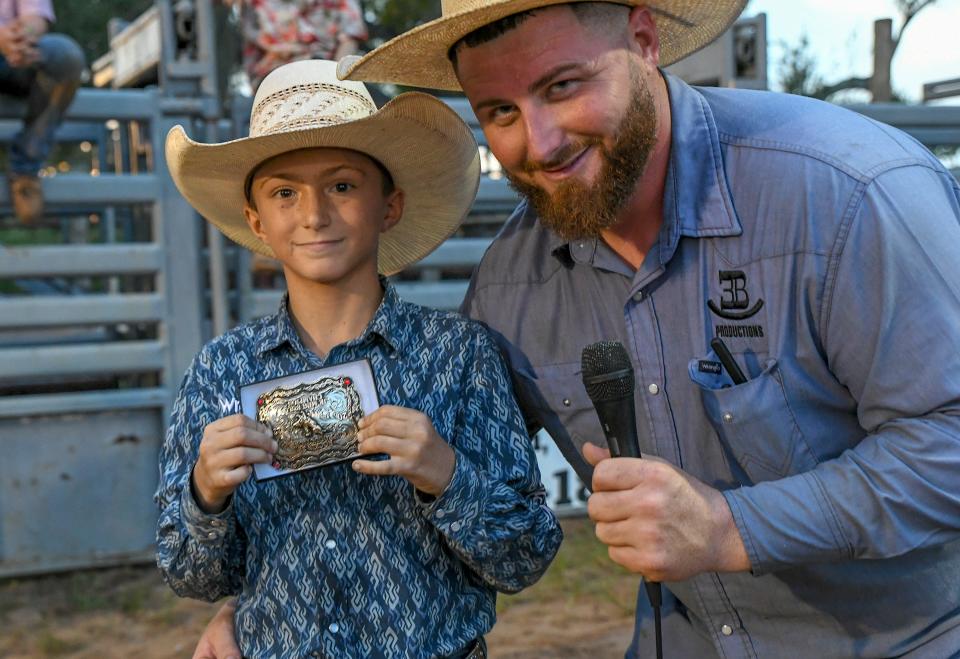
581 608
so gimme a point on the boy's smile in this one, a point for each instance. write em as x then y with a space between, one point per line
321 211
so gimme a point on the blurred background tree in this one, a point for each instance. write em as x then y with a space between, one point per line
798 66
388 18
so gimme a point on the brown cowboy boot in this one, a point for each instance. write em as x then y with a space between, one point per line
27 197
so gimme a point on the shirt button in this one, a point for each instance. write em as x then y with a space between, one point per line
211 535
330 544
455 527
566 402
334 627
726 630
727 417
638 296
653 389
440 514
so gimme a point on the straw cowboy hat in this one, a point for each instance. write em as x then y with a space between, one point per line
419 57
428 150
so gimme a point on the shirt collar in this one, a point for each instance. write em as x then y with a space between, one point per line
385 324
697 199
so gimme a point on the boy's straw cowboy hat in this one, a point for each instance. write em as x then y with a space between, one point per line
419 57
430 153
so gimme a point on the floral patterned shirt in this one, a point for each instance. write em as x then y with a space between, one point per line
277 32
333 563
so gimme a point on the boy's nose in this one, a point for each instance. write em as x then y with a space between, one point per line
316 211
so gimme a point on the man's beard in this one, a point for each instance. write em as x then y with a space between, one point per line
578 210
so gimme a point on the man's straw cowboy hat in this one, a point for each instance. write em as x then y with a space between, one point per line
428 150
419 57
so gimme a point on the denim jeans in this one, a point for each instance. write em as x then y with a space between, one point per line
48 87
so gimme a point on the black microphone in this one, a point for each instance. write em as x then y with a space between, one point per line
608 378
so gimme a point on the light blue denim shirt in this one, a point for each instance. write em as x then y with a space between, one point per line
823 248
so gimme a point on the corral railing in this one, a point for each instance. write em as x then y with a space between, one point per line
100 314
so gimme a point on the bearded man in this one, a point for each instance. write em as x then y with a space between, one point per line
811 510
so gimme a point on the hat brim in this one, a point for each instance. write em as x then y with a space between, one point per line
419 57
428 150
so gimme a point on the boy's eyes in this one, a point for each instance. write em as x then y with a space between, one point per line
289 193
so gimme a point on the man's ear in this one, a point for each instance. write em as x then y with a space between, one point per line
644 37
253 221
394 210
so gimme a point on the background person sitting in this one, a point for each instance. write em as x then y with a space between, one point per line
45 69
277 32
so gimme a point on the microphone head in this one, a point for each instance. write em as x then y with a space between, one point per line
606 370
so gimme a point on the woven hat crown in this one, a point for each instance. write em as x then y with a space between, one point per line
305 95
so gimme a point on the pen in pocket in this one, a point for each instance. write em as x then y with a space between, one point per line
723 354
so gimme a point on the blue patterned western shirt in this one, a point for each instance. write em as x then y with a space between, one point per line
333 563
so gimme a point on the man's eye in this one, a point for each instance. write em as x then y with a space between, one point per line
284 193
343 186
502 113
562 86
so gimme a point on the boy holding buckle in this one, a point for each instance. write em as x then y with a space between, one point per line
399 557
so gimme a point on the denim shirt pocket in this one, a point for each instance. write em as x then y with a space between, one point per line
556 392
755 423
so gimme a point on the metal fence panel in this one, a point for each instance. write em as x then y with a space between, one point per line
80 467
76 491
57 310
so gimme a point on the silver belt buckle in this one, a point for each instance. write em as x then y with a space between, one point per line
314 423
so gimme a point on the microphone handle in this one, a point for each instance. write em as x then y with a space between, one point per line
618 420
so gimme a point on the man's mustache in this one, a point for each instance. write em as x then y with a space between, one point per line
561 156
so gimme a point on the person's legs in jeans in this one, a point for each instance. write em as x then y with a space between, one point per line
49 87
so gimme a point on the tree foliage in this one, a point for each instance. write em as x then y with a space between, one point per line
86 20
798 70
388 18
798 66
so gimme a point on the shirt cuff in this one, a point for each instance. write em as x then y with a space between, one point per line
459 506
204 527
786 523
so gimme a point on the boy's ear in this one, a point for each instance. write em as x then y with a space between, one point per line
253 221
394 210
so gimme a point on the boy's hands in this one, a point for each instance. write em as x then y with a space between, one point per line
229 448
416 451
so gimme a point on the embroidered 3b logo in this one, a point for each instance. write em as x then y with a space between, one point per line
734 298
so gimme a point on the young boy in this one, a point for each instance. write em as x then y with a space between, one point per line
399 557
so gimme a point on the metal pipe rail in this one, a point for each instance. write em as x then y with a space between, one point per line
933 125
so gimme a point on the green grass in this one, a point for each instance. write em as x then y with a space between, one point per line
50 645
580 570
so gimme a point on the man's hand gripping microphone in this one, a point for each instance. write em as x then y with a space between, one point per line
608 378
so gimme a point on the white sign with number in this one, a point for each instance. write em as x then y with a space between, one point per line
566 494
